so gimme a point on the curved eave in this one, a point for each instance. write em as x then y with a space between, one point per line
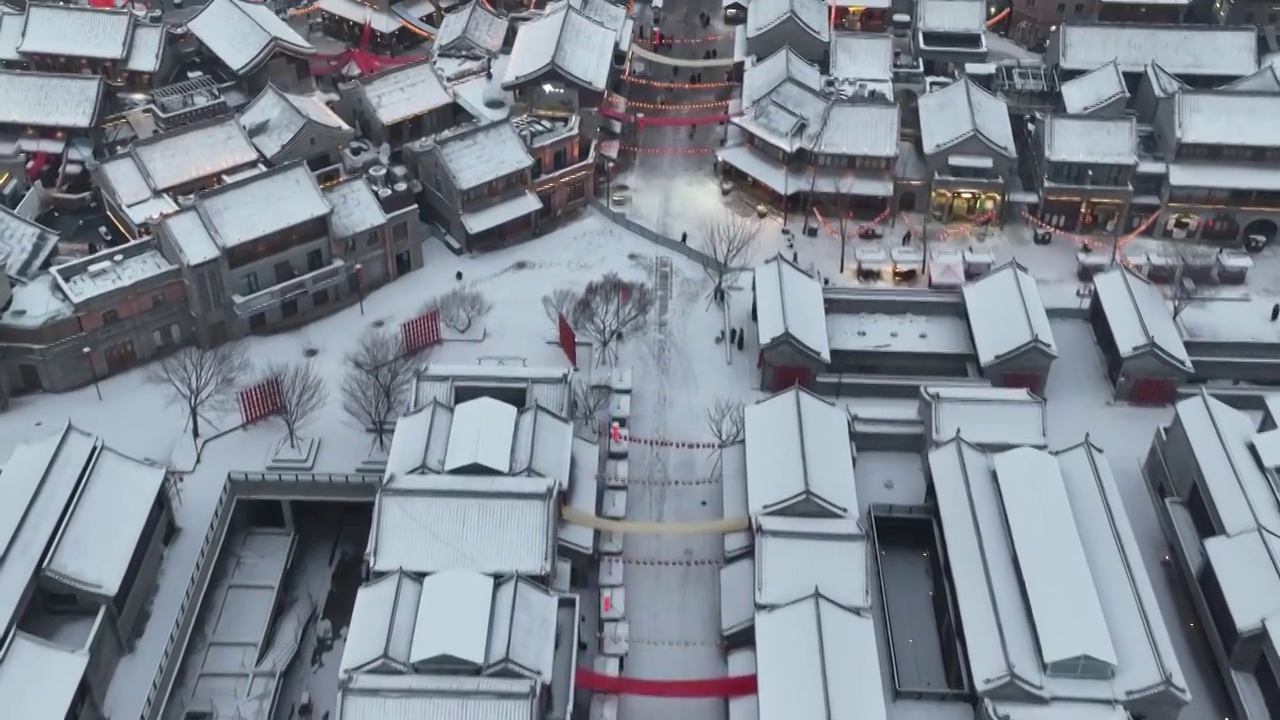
531 75
270 49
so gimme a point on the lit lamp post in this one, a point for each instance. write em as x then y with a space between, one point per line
93 371
360 285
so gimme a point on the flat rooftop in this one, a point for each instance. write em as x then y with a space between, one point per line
1230 320
878 332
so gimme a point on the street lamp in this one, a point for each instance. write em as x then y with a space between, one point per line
93 371
360 285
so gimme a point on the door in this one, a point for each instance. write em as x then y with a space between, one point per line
789 375
403 263
120 356
1152 391
1030 381
30 376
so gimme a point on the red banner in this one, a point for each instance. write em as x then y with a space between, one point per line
717 687
260 401
421 332
568 341
366 62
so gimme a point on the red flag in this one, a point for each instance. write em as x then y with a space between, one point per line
568 341
616 432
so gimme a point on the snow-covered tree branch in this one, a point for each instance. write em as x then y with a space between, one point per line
379 375
588 401
460 308
608 309
201 378
560 304
727 421
731 243
302 394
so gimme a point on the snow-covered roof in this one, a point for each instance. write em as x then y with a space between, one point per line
1221 440
1267 79
25 246
106 524
860 129
1139 316
50 100
243 35
453 619
799 452
1184 50
39 680
356 209
762 77
408 91
564 40
738 595
380 633
470 29
790 117
522 632
1091 140
482 154
789 306
952 17
1094 89
1163 84
168 161
548 387
1244 566
146 51
862 56
76 31
266 203
1237 119
811 15
818 661
10 36
481 437
275 119
369 696
963 110
1007 315
190 237
1046 569
112 269
796 555
40 479
493 525
988 417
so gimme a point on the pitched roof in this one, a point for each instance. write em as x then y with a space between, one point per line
269 202
789 305
963 110
1139 316
1239 119
146 52
1180 49
243 35
799 451
25 246
76 31
477 155
405 92
1007 315
49 100
1082 139
171 160
564 40
810 14
951 16
473 28
1266 79
1094 89
274 119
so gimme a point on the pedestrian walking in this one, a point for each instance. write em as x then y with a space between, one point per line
906 238
1275 312
714 53
684 238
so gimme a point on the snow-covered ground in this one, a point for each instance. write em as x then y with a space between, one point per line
679 370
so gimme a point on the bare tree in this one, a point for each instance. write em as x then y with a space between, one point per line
845 227
726 419
588 401
379 375
730 243
302 394
608 309
460 308
201 378
560 304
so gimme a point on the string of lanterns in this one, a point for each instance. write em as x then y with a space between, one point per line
666 150
677 106
663 84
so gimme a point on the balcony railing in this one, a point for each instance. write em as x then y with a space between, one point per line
246 305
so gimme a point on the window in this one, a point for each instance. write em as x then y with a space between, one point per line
110 317
249 284
60 602
577 191
1216 603
372 240
315 260
561 158
350 246
400 233
289 308
1062 7
319 297
284 272
165 336
257 320
1236 153
157 299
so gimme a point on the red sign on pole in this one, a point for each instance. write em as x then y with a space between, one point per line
261 400
421 332
568 341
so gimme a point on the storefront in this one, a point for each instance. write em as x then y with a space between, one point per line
859 18
1083 216
964 205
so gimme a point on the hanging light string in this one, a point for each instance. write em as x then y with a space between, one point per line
666 150
677 85
718 104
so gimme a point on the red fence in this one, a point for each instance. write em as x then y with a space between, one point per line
421 332
717 687
261 400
